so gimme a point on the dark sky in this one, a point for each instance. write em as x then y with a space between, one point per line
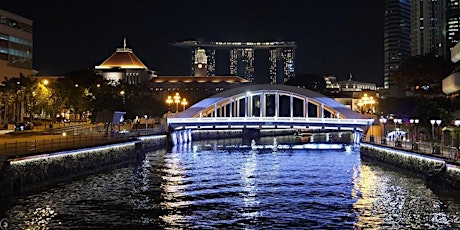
333 36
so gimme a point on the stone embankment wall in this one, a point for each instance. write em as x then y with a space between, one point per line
30 173
435 170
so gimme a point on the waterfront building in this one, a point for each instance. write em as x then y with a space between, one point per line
350 92
397 28
16 45
124 66
428 20
241 58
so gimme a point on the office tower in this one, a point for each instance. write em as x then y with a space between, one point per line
452 24
242 58
16 45
396 38
428 27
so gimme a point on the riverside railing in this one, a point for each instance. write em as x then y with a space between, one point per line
427 148
73 139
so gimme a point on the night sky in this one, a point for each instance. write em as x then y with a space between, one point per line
333 36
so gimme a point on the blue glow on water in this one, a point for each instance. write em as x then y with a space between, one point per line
207 186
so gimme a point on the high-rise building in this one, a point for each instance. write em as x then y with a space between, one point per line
242 63
396 37
452 24
16 45
242 58
428 27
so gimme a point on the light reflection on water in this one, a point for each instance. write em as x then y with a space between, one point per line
248 189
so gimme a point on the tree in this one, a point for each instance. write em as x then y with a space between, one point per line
423 74
308 81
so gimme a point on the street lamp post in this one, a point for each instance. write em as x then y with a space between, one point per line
438 122
169 100
433 122
177 101
398 133
414 123
184 102
384 137
122 93
145 118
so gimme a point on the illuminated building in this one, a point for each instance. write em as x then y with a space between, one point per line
242 58
397 29
452 23
123 66
451 84
428 28
201 64
16 45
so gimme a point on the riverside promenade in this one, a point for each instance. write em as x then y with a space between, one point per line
447 153
16 144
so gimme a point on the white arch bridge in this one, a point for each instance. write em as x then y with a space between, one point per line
269 107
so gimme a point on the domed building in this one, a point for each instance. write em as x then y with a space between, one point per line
124 66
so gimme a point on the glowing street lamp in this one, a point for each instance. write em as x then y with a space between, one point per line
398 133
433 122
169 100
384 135
366 102
184 102
122 93
177 101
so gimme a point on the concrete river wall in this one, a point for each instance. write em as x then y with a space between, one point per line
34 172
435 171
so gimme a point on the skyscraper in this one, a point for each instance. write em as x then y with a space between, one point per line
452 24
428 27
16 45
396 37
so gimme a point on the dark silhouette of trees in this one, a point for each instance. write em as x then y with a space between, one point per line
423 74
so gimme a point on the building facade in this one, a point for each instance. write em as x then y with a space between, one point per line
241 58
396 37
452 24
428 20
16 45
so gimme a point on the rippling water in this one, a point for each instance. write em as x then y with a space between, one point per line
208 186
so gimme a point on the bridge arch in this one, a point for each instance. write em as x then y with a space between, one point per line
269 100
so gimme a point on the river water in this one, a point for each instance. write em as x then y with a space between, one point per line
210 186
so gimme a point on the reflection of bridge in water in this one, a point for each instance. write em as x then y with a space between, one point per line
259 107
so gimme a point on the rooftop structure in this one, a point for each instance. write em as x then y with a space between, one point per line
124 66
242 57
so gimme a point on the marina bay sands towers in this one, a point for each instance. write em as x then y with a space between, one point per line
242 57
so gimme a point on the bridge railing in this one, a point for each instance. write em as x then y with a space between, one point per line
271 119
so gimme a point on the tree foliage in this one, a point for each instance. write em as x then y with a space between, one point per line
423 74
308 81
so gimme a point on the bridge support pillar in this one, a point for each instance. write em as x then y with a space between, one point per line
181 137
